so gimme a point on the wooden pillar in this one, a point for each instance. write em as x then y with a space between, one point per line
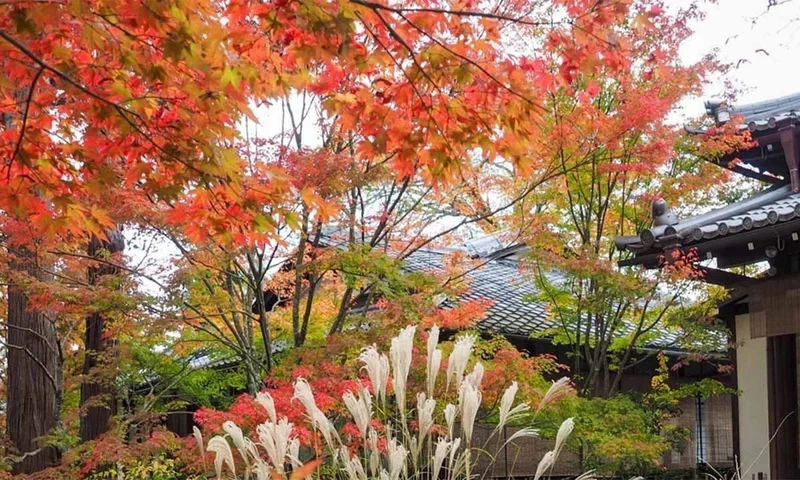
791 151
729 316
782 394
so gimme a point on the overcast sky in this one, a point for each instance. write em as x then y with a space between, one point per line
762 41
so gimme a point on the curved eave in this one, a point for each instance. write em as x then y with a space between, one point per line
653 256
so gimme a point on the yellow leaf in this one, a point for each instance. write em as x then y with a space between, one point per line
229 76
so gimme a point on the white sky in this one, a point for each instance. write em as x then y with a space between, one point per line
740 29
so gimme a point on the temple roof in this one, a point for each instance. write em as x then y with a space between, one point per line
509 292
500 283
773 155
766 209
759 115
746 231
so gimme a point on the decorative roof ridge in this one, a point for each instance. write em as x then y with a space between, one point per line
722 111
685 228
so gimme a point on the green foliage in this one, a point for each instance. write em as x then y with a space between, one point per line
362 266
164 382
157 468
618 435
628 434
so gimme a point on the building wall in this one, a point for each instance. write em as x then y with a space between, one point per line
751 366
715 441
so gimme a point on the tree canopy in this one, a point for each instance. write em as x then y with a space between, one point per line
242 181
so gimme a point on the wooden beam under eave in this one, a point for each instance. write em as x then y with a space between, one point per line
791 150
755 174
722 278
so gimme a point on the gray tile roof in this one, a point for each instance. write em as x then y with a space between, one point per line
510 291
758 115
770 207
499 282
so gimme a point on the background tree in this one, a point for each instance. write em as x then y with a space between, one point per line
630 153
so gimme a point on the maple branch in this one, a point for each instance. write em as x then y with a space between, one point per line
25 117
35 359
443 11
34 333
121 110
473 63
45 66
110 264
470 220
394 34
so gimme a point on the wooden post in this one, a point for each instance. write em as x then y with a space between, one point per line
791 151
782 395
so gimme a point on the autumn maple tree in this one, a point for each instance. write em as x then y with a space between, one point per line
128 114
618 151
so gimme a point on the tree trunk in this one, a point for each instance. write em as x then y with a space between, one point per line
34 374
96 391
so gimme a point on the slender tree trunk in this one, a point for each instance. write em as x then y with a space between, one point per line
34 374
98 399
298 281
344 307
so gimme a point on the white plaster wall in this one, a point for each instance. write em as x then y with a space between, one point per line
751 365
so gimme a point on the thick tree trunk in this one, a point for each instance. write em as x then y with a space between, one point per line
96 391
34 374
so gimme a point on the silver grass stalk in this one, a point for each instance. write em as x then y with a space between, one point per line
457 362
544 464
415 446
326 428
526 432
452 460
561 437
360 408
507 412
276 439
251 448
302 392
586 476
396 455
344 456
294 453
198 437
400 354
450 417
351 466
261 469
558 389
470 402
440 453
476 377
374 452
434 359
425 410
223 455
266 401
377 367
237 436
